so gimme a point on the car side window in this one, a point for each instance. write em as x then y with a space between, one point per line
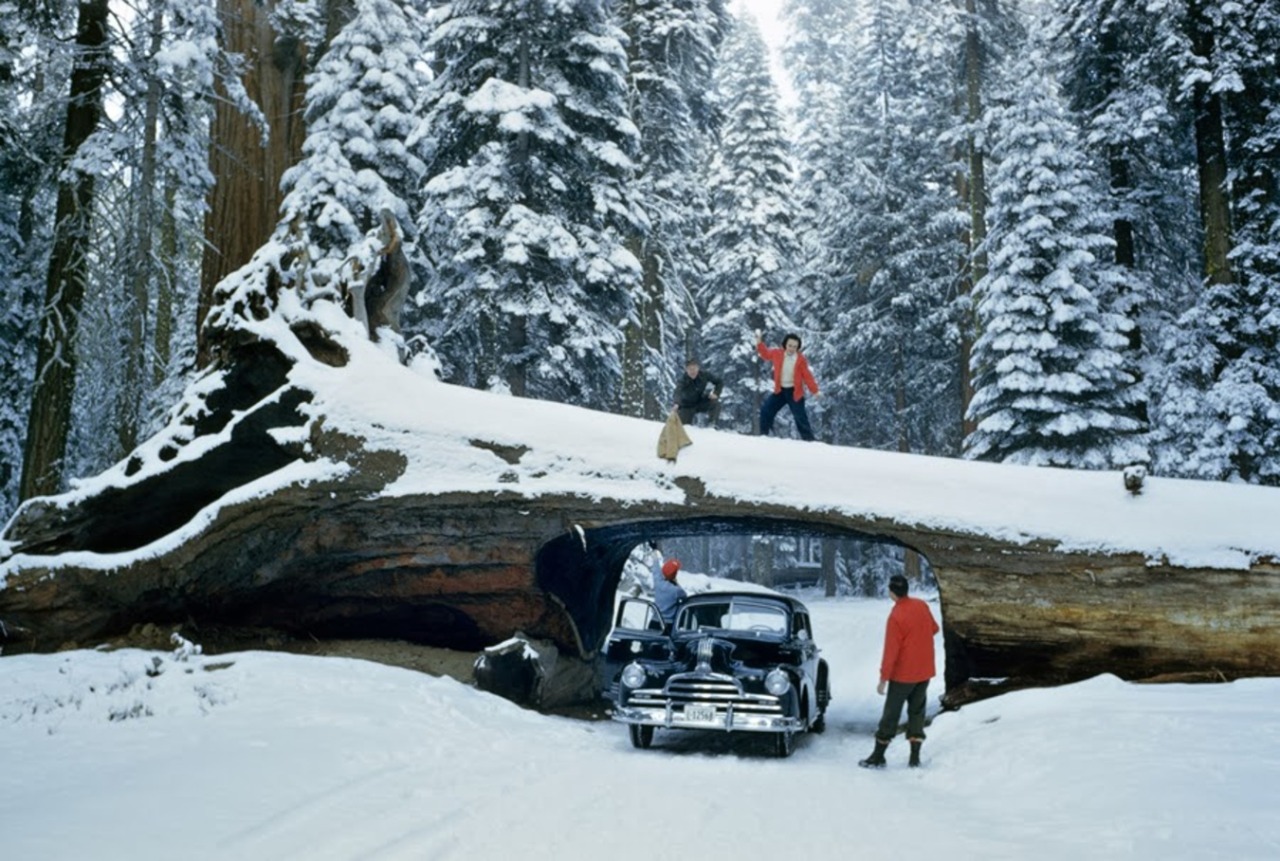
638 616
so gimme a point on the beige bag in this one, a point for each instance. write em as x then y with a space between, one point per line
673 438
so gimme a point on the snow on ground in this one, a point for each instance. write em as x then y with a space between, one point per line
139 755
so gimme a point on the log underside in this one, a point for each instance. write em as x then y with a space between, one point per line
334 560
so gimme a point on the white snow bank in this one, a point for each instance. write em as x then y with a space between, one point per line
268 756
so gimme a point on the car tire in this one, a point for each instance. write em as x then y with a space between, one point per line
784 743
641 736
824 697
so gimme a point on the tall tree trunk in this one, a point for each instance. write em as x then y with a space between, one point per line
1110 72
141 258
642 338
975 188
1255 156
1211 159
830 546
1118 163
245 202
633 346
162 346
514 361
517 370
761 570
49 424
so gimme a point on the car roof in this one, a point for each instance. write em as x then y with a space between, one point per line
792 604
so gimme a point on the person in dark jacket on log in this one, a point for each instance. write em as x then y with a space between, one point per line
693 397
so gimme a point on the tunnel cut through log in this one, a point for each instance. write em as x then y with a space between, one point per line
584 566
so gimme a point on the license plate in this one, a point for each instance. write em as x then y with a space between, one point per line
701 714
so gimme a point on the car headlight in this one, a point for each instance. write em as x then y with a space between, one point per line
633 675
777 682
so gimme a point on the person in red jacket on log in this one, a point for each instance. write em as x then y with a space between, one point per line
906 666
791 376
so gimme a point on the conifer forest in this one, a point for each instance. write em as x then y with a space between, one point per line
1043 232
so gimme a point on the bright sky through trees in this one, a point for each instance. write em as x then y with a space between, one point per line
768 15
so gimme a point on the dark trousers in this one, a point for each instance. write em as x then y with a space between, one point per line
914 695
775 402
706 405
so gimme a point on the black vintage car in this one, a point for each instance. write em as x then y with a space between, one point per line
731 661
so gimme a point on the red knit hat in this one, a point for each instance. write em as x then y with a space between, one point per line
670 567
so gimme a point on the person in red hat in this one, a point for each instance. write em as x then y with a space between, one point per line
667 593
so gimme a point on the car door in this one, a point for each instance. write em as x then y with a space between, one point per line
637 632
802 635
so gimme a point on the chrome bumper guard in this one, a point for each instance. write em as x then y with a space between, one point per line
704 701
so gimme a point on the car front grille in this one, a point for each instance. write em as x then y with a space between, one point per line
712 689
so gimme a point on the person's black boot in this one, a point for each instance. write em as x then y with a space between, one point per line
914 762
876 760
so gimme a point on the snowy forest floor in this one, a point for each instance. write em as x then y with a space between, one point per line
262 755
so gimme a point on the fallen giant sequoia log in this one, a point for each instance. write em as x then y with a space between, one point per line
279 499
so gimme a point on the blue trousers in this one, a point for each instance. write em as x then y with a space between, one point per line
772 404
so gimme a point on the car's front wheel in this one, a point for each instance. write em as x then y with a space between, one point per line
784 743
641 736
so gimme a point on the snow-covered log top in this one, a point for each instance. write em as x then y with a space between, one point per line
348 496
458 440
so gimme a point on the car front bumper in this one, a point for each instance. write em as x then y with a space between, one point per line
725 718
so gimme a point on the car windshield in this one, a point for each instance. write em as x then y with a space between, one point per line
733 616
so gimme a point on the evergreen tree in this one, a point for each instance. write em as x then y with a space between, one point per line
529 151
672 51
152 180
30 138
57 360
889 252
1218 413
1050 385
820 43
1119 75
359 112
752 242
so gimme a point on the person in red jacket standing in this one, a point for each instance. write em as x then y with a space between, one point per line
791 375
905 668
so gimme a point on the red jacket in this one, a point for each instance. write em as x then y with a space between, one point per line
804 377
908 643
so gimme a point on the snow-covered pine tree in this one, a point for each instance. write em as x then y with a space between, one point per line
820 43
1218 414
359 112
137 332
67 272
30 140
184 71
888 255
530 150
672 51
1115 66
1049 378
752 242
